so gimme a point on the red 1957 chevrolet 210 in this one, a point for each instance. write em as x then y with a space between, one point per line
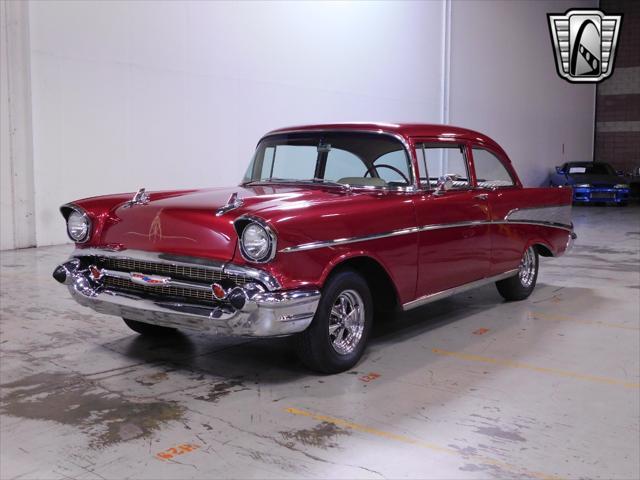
332 226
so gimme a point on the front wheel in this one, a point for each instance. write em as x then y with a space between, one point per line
520 286
336 339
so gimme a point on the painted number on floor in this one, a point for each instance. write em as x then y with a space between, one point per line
181 449
370 376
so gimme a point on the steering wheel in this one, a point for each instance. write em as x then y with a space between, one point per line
390 167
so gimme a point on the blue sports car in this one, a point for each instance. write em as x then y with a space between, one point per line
592 182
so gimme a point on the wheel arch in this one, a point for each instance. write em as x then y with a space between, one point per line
383 288
543 249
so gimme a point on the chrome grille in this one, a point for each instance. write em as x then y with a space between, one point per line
164 291
176 272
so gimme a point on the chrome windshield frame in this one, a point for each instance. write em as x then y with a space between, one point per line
403 141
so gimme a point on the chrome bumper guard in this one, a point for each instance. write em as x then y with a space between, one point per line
571 241
259 314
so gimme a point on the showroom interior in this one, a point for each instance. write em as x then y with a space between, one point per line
102 98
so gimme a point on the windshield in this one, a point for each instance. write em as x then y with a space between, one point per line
590 168
343 158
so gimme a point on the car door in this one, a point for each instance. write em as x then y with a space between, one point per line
494 180
454 243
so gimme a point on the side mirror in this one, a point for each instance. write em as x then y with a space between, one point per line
559 170
444 183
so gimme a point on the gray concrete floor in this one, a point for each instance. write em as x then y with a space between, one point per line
469 387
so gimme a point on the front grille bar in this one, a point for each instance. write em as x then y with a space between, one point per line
168 283
190 269
123 284
181 272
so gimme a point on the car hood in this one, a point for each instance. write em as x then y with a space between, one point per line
185 222
593 179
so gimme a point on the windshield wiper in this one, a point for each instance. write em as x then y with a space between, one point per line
270 180
330 182
298 180
322 181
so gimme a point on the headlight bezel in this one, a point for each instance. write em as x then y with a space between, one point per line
242 224
69 210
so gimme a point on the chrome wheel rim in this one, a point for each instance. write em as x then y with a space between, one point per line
527 268
346 322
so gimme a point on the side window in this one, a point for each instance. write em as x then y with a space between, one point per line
490 172
342 164
398 160
289 161
436 160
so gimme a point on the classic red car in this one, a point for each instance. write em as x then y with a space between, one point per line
331 226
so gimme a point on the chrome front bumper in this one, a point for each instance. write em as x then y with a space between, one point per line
262 313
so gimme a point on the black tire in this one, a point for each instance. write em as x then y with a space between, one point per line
148 329
520 286
315 346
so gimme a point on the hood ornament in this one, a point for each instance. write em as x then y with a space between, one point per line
140 198
233 203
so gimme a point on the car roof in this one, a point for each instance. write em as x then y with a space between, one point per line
406 130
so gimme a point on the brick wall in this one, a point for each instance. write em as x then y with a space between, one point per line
617 137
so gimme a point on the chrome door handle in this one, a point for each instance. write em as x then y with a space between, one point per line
482 196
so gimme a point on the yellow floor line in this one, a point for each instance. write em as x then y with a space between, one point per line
552 371
562 318
416 442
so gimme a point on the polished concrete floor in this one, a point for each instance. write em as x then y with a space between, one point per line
470 387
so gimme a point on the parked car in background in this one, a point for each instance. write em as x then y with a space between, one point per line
592 182
633 178
331 226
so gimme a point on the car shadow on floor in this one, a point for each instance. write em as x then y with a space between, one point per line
274 360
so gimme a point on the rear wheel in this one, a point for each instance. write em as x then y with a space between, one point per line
336 339
148 329
520 286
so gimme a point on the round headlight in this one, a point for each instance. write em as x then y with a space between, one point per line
256 243
78 226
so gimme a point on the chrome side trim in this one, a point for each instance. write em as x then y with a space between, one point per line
432 297
346 240
553 214
423 228
270 282
561 226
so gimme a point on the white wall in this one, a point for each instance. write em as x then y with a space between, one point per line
17 225
176 94
504 83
